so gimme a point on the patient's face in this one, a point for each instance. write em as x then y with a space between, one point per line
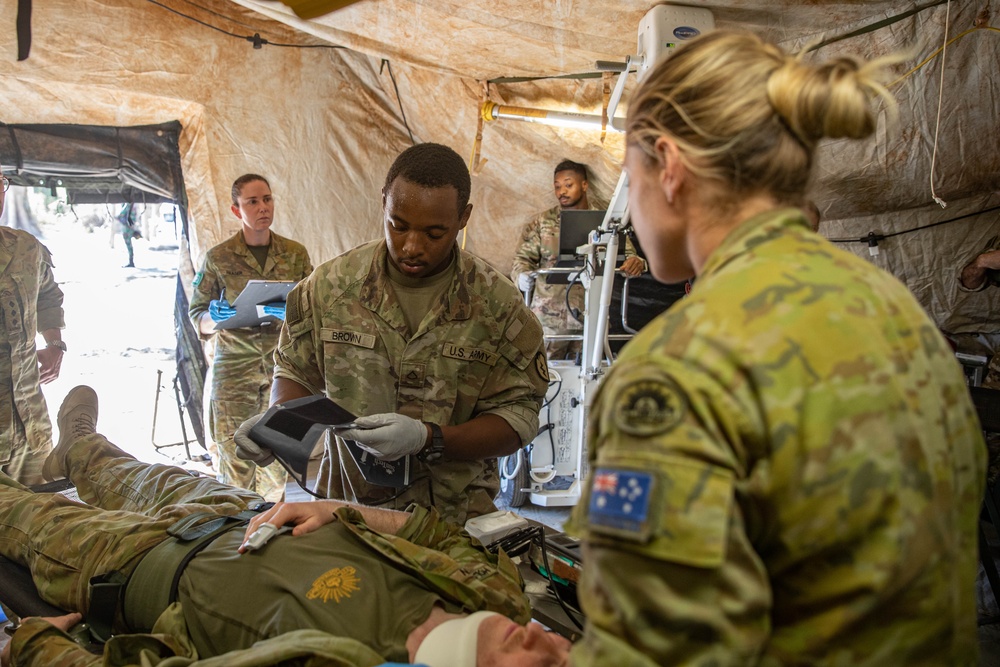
503 643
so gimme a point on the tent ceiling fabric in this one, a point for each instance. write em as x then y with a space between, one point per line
546 38
324 124
888 178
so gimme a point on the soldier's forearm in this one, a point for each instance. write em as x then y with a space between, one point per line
483 437
972 276
206 326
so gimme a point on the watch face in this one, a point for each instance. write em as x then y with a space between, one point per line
435 448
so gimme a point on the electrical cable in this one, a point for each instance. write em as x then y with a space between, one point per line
552 440
558 389
516 544
430 492
880 237
552 583
255 39
399 101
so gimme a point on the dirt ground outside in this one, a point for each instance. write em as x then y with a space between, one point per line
119 324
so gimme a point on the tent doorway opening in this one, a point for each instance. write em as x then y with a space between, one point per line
126 327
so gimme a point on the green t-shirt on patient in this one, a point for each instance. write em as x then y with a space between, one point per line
325 580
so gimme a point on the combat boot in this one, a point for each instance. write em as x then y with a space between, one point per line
77 419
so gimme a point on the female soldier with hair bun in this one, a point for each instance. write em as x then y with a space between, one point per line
786 467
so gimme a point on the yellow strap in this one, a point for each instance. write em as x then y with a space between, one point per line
606 82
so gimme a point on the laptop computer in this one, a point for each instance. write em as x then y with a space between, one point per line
574 230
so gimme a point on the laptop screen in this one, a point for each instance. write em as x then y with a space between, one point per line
575 228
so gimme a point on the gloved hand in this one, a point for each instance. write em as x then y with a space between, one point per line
525 281
388 435
276 309
247 449
220 310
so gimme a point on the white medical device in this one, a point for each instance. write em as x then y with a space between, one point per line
557 465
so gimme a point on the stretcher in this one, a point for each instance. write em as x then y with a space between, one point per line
17 590
19 593
547 559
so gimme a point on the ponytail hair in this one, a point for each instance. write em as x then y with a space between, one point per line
748 116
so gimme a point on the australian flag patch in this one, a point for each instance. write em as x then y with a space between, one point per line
620 502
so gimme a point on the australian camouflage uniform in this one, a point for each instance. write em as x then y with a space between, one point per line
360 591
539 249
30 302
785 468
479 351
244 357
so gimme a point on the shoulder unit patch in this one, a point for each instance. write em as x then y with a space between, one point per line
649 407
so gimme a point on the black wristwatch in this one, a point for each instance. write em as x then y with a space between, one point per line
435 448
57 343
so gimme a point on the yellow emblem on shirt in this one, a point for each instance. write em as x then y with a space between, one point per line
334 585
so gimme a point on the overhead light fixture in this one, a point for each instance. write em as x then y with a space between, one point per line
660 31
492 111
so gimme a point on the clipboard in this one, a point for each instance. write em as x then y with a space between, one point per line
256 293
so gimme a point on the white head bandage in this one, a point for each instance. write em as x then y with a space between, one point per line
453 643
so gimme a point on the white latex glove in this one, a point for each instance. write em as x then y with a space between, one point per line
247 449
388 435
525 281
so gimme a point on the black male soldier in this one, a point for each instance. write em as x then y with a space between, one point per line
539 249
430 343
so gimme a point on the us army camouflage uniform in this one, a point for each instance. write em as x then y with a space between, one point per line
244 358
360 591
786 468
539 249
478 352
30 302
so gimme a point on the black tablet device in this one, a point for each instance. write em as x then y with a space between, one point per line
293 429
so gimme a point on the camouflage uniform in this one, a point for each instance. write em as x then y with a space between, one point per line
539 249
30 302
360 591
244 358
786 468
478 352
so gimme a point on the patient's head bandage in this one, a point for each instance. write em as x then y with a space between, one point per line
453 643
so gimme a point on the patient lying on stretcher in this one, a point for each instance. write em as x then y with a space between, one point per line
347 585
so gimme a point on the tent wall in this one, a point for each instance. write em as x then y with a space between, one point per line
316 122
882 185
325 124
